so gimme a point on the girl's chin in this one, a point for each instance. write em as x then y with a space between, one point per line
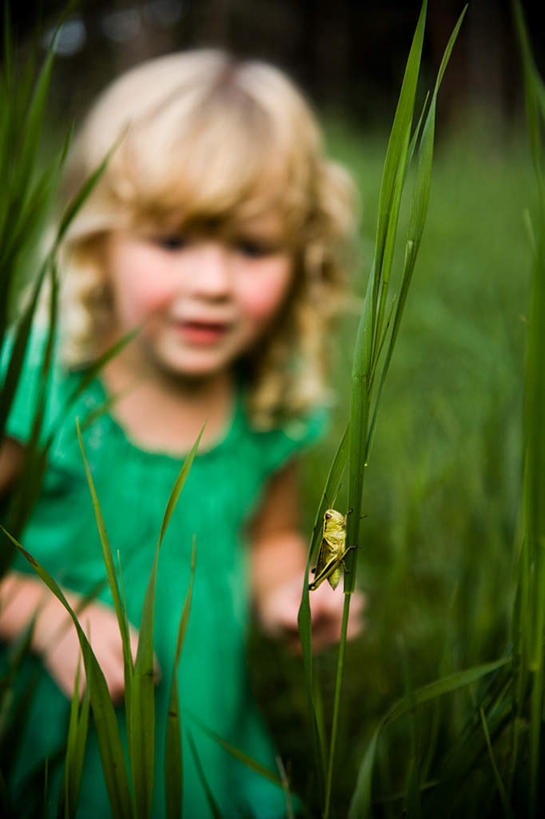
196 368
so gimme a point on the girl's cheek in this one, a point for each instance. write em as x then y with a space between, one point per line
138 301
262 298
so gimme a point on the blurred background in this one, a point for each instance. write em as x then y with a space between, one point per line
348 54
439 542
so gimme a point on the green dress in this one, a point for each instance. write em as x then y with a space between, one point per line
222 491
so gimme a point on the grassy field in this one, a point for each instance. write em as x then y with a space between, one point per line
439 541
443 484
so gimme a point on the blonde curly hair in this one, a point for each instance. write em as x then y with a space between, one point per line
202 138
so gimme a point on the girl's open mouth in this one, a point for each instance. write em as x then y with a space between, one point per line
201 332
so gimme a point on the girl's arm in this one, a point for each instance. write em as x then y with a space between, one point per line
11 461
278 560
54 638
23 597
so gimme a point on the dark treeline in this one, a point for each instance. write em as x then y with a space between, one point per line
347 54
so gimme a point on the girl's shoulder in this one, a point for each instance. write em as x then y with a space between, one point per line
278 445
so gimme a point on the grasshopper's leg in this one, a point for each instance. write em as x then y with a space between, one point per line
349 549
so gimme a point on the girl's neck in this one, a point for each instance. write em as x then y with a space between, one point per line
163 413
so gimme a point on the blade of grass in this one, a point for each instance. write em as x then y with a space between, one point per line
18 351
499 783
109 741
418 214
107 556
81 196
394 174
75 750
368 337
247 760
286 786
142 708
214 810
360 805
28 487
173 741
304 619
533 492
90 374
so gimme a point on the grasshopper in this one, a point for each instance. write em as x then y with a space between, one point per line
333 550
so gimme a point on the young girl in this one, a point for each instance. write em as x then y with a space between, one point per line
221 232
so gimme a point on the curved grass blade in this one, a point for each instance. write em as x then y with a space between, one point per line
497 776
418 214
247 760
370 330
173 742
304 619
120 610
142 706
75 751
214 810
14 718
109 741
81 196
33 125
394 174
22 333
90 374
532 576
34 463
360 805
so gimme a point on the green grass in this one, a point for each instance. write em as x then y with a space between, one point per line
442 496
439 543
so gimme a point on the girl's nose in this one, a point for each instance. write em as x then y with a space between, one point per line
209 271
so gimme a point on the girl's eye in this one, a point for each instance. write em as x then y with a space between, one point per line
255 249
171 242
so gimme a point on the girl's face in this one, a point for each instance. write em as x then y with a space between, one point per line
202 300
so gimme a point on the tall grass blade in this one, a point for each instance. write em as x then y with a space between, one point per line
142 708
497 776
90 374
286 786
81 196
27 491
14 721
360 805
173 742
533 537
33 126
120 609
247 760
214 810
22 334
371 329
109 741
75 751
394 173
418 214
304 619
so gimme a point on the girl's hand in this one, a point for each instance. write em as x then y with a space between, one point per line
279 551
56 640
278 613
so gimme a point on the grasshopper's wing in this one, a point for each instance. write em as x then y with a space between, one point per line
326 566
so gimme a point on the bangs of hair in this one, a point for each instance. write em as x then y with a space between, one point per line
223 151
